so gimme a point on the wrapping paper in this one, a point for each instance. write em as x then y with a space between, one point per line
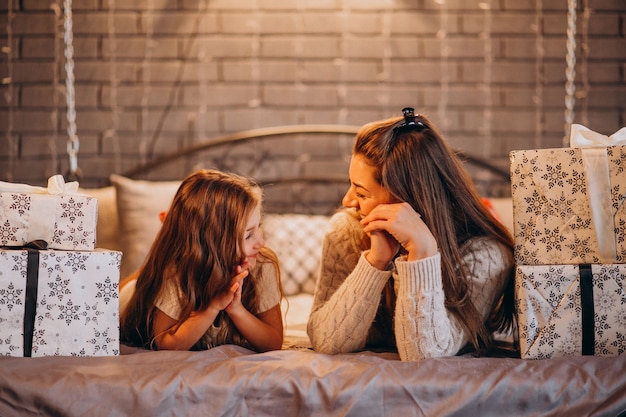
57 214
568 203
75 299
550 310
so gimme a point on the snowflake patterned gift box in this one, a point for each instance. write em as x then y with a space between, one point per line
59 303
570 310
57 214
568 205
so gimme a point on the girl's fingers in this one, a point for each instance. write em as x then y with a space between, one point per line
241 275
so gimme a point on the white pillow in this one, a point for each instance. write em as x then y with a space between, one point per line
139 203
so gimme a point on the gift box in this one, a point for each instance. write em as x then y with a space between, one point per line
568 203
58 215
569 310
59 303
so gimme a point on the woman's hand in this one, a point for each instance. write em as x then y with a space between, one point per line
400 222
383 247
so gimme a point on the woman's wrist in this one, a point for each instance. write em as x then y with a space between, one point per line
422 251
380 264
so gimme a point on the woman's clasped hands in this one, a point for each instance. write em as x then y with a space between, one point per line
395 225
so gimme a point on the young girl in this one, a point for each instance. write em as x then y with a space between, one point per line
208 280
416 262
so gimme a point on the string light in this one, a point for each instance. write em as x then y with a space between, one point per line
73 143
570 70
9 95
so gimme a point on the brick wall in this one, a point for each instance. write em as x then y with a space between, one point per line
154 76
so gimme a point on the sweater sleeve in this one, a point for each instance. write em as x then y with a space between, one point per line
348 291
424 328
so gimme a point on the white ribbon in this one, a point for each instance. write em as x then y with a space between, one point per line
56 186
582 137
596 166
40 220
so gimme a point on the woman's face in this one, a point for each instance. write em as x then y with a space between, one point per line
253 237
365 192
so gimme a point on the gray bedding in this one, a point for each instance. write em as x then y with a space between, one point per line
232 381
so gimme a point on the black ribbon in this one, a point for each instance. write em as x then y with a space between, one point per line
32 282
586 298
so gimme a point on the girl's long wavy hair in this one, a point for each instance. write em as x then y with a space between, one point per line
418 167
199 246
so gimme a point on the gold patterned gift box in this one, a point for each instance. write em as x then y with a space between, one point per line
57 214
568 310
568 205
59 303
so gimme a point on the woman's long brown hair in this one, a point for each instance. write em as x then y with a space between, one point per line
418 167
199 246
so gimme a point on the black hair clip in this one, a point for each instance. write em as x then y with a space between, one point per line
409 124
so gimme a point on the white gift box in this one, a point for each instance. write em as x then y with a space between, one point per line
57 214
568 206
568 203
570 310
59 303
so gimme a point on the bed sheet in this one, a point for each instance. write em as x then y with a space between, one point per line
232 381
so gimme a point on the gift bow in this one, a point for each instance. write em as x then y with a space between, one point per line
582 137
596 165
56 186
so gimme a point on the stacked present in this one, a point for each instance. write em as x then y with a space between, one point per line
58 293
570 246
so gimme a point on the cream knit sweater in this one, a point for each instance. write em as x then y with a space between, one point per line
349 291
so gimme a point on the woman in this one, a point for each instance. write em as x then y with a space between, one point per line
208 280
416 261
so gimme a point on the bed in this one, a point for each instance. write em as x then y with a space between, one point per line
232 381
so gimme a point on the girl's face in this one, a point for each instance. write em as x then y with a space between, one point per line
365 192
253 237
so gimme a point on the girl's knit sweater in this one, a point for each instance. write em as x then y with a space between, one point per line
346 317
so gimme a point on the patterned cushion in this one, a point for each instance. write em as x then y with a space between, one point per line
297 240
